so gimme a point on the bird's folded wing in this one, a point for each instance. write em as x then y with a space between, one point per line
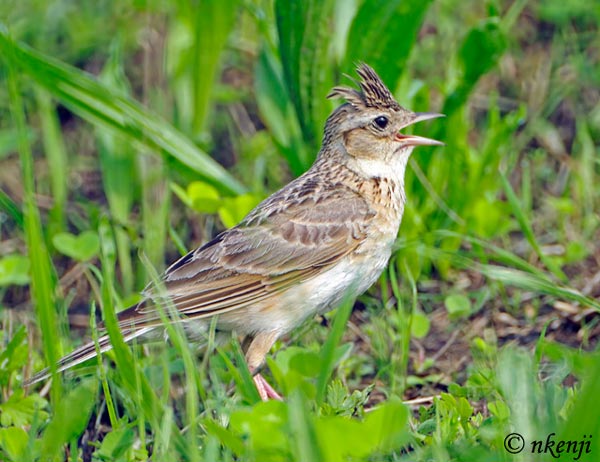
275 247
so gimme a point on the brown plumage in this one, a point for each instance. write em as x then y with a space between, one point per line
326 235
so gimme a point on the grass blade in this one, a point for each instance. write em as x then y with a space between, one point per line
110 407
133 380
587 174
523 275
528 230
240 373
585 417
528 281
402 348
11 209
302 428
155 208
535 283
119 173
494 252
214 20
56 154
278 113
303 45
43 279
328 350
95 103
193 385
401 20
481 49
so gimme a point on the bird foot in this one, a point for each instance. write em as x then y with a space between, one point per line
265 391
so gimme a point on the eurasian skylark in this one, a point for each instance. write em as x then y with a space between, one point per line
325 236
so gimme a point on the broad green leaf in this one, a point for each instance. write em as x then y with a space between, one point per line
14 356
71 415
458 305
272 97
13 442
576 251
263 425
420 323
306 363
203 197
343 403
387 426
341 438
383 429
499 409
285 358
488 218
226 436
561 13
234 209
117 157
14 269
115 444
19 410
82 248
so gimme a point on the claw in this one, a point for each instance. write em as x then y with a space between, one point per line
265 390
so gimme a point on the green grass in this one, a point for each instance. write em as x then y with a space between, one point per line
105 112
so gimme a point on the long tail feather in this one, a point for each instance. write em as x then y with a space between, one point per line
83 353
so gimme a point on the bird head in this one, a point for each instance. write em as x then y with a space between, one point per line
370 123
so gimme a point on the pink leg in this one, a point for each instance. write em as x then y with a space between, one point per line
265 390
255 357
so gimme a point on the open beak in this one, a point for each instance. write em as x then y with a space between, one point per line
414 140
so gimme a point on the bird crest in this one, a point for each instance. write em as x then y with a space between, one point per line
372 93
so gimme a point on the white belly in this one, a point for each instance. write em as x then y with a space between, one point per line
345 281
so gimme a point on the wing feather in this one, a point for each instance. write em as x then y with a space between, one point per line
287 239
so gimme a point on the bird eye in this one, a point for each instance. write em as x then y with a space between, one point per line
381 121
